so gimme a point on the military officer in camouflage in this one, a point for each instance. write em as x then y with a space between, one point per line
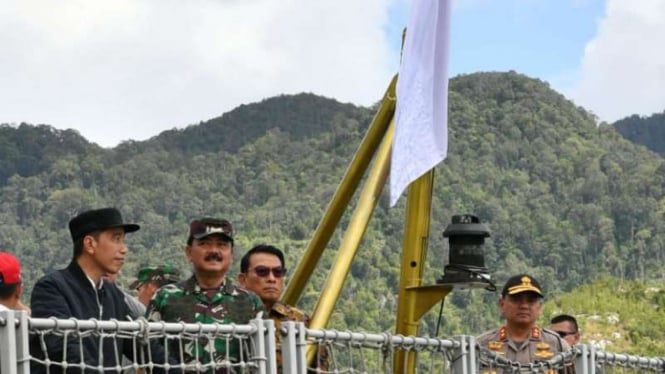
151 278
206 297
520 340
262 270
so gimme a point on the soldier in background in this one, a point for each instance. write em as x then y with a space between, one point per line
206 297
150 279
262 270
520 339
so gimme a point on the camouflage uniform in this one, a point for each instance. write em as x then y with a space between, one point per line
187 302
162 274
541 345
282 312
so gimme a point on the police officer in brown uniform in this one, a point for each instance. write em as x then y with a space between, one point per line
520 339
262 271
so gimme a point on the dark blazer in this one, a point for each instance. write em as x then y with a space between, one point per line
68 293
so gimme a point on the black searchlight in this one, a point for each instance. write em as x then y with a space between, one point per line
466 261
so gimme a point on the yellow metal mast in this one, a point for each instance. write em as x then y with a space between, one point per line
340 200
414 298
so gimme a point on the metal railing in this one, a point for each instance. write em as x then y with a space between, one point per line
29 342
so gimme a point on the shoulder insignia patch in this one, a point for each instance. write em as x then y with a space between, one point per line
502 334
535 333
495 346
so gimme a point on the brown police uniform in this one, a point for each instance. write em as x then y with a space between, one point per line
541 345
282 312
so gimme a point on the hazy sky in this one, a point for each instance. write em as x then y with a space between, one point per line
129 69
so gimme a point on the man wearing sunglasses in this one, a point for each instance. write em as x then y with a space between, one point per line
262 270
566 326
206 297
520 340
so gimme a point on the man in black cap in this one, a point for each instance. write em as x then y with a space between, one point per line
520 340
80 291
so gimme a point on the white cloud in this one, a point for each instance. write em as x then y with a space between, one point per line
128 69
623 68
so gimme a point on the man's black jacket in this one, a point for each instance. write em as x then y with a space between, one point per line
69 293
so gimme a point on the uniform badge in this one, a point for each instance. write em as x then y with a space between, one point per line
495 346
543 350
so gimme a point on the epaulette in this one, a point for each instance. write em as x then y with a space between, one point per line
535 333
550 332
563 344
501 335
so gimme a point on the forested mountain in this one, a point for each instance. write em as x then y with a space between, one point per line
648 131
30 150
300 116
565 200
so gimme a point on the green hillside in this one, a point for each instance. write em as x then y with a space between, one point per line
565 200
619 316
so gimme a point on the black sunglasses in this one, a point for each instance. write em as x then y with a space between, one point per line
563 334
264 271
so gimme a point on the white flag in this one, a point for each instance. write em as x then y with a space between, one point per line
421 113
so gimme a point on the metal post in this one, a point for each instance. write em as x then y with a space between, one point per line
7 342
582 360
464 361
22 343
294 352
264 345
592 360
301 344
414 299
